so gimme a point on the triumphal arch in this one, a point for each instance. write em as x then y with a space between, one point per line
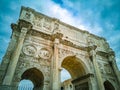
41 46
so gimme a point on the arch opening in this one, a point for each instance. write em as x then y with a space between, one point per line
65 75
76 69
25 84
108 86
35 76
73 66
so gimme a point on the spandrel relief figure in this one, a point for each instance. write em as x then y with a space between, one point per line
29 50
38 21
44 53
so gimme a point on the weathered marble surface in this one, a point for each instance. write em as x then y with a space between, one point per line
41 46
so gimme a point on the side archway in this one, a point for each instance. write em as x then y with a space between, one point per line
34 75
108 86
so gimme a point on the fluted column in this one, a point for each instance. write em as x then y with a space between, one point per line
15 56
55 78
96 69
92 83
46 85
14 59
111 58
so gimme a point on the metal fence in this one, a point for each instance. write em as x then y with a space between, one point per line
5 87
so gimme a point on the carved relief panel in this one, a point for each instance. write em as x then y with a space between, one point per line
107 69
101 67
90 41
17 76
64 52
44 53
26 15
22 64
56 28
47 24
37 22
38 51
29 50
34 56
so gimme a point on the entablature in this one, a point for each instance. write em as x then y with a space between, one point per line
50 28
51 25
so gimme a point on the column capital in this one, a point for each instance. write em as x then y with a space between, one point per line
56 41
23 32
21 24
111 57
24 24
57 36
14 26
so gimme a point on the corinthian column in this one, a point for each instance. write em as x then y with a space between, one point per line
96 69
55 72
111 58
15 56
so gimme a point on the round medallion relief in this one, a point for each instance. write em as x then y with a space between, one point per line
29 50
44 53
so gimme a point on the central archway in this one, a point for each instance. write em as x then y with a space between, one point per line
77 70
35 76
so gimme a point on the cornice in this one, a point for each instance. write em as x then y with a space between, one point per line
105 54
83 77
40 34
59 36
25 24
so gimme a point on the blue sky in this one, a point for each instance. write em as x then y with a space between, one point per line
100 17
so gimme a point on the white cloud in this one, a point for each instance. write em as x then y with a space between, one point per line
115 38
8 19
54 10
14 6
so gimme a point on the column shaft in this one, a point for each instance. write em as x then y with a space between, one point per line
97 72
14 58
115 69
55 84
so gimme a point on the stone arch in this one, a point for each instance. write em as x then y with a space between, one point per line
81 64
108 85
80 60
78 70
35 75
65 55
74 65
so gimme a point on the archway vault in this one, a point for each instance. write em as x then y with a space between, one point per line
35 76
74 66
